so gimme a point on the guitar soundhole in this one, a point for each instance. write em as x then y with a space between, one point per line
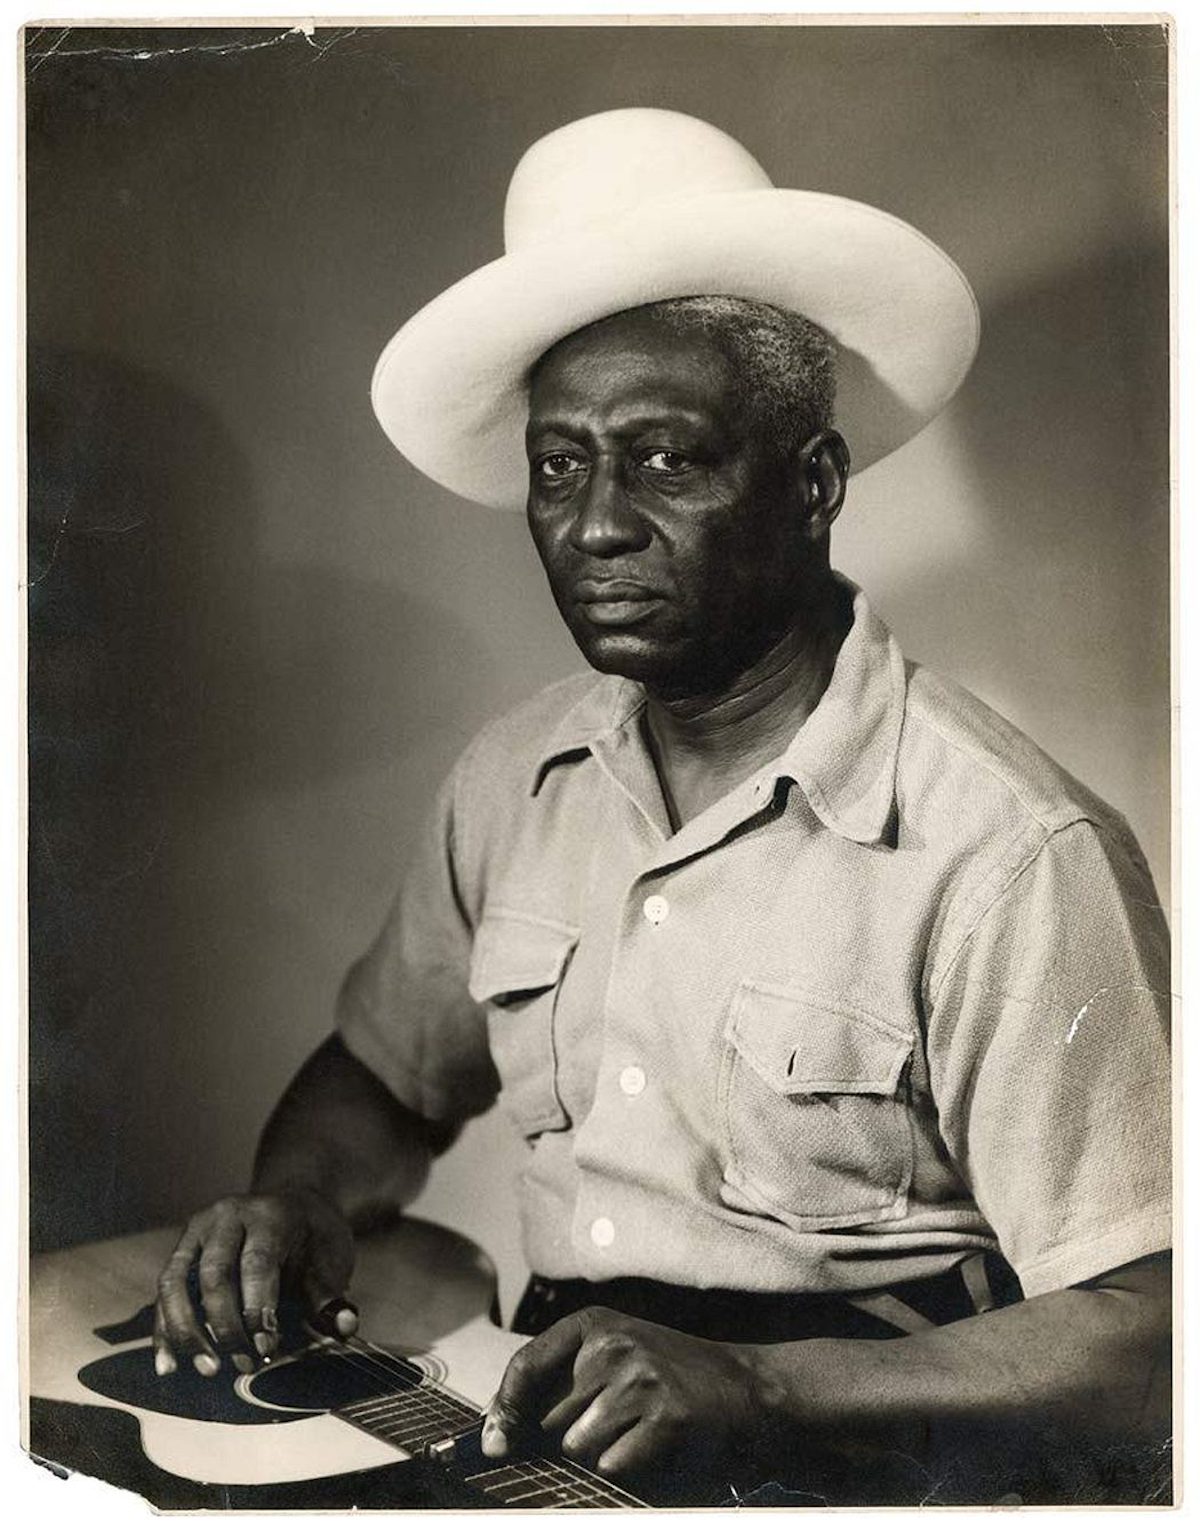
326 1378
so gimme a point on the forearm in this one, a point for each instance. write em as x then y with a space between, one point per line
337 1131
1092 1365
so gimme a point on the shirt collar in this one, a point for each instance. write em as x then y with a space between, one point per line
843 758
605 709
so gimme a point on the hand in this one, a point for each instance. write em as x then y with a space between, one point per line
626 1395
244 1250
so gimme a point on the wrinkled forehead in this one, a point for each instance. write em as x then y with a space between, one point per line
635 353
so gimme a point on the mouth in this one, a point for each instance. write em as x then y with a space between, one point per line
615 602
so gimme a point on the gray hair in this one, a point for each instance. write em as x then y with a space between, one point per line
783 361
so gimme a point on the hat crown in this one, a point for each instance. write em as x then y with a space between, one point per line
603 167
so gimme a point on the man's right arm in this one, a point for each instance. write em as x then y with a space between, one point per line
339 1154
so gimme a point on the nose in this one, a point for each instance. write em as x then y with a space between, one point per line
606 523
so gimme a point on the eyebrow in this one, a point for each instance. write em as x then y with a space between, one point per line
632 424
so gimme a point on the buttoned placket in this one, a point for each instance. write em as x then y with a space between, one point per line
623 1081
849 791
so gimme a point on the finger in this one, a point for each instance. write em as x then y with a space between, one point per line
528 1374
179 1323
635 1450
606 1418
164 1361
260 1275
220 1289
563 1413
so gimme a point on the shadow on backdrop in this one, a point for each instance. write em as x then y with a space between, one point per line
1064 451
172 672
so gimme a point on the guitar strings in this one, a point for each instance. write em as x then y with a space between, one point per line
387 1364
377 1363
380 1365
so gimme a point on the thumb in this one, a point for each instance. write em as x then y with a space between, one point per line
328 1260
328 1307
519 1402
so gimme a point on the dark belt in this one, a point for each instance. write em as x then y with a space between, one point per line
980 1282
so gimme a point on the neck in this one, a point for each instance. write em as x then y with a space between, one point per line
704 742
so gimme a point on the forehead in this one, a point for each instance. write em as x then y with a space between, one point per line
633 357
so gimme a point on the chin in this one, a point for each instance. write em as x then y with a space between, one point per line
634 657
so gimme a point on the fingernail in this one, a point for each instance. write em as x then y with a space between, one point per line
346 1321
207 1365
245 1364
270 1320
164 1362
265 1344
492 1439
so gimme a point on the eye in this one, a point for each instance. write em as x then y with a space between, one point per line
664 461
555 466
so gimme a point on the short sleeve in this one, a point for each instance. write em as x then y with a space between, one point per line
1049 1056
404 1009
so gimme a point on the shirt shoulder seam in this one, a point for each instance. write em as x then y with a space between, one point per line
1050 822
985 904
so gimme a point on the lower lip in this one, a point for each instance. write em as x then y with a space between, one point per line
618 613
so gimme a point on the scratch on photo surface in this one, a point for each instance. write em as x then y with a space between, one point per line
1099 994
58 536
141 866
39 55
1123 45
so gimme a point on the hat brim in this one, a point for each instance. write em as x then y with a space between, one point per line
451 389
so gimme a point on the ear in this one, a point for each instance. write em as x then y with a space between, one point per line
823 468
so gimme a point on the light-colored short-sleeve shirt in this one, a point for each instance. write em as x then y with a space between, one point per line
899 996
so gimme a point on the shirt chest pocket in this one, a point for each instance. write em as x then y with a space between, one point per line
517 967
815 1129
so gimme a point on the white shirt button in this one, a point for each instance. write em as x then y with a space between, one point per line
603 1232
656 908
632 1080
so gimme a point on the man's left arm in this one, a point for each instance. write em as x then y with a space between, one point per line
1091 1365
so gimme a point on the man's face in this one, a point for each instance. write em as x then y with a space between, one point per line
668 526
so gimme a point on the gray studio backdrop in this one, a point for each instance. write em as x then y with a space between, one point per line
258 637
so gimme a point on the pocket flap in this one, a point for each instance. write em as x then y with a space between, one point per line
517 953
800 1043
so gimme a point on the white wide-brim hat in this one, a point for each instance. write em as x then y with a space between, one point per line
633 206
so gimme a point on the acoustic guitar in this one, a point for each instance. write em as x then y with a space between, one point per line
388 1418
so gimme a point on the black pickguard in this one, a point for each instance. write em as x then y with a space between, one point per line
316 1377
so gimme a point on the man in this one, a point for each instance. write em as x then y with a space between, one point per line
831 1010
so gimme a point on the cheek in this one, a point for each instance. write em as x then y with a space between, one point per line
724 545
743 570
546 542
